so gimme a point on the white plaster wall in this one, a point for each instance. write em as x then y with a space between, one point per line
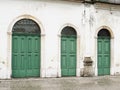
53 17
111 20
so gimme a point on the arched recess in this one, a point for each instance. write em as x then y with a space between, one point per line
104 27
77 51
68 51
111 49
26 51
103 52
10 43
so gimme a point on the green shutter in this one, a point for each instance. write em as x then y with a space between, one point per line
68 56
25 56
103 56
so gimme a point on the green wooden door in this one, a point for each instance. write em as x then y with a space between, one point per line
68 56
25 56
103 56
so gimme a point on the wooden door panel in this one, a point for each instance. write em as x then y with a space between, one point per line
106 47
103 56
15 47
64 72
64 61
106 71
72 62
72 72
107 61
72 45
68 56
64 45
100 71
99 46
25 56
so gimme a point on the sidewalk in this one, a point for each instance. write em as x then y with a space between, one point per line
67 83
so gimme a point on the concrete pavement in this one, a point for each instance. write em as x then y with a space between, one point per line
66 83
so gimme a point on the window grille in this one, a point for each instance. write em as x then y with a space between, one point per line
26 26
104 32
67 31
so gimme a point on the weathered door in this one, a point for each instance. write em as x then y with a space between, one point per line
25 54
68 55
103 56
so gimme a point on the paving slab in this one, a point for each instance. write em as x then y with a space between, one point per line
64 83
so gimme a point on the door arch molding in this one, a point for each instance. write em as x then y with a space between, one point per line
59 49
103 52
107 28
111 49
26 50
68 51
9 47
27 17
69 25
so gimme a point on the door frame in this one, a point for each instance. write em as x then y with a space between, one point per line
111 50
77 50
9 45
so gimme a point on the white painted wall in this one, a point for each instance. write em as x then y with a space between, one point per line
53 17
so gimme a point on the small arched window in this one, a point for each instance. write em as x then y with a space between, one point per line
104 33
26 26
68 31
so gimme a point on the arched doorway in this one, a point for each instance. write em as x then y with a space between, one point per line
68 51
103 52
26 49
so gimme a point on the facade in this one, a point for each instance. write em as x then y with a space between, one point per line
54 38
